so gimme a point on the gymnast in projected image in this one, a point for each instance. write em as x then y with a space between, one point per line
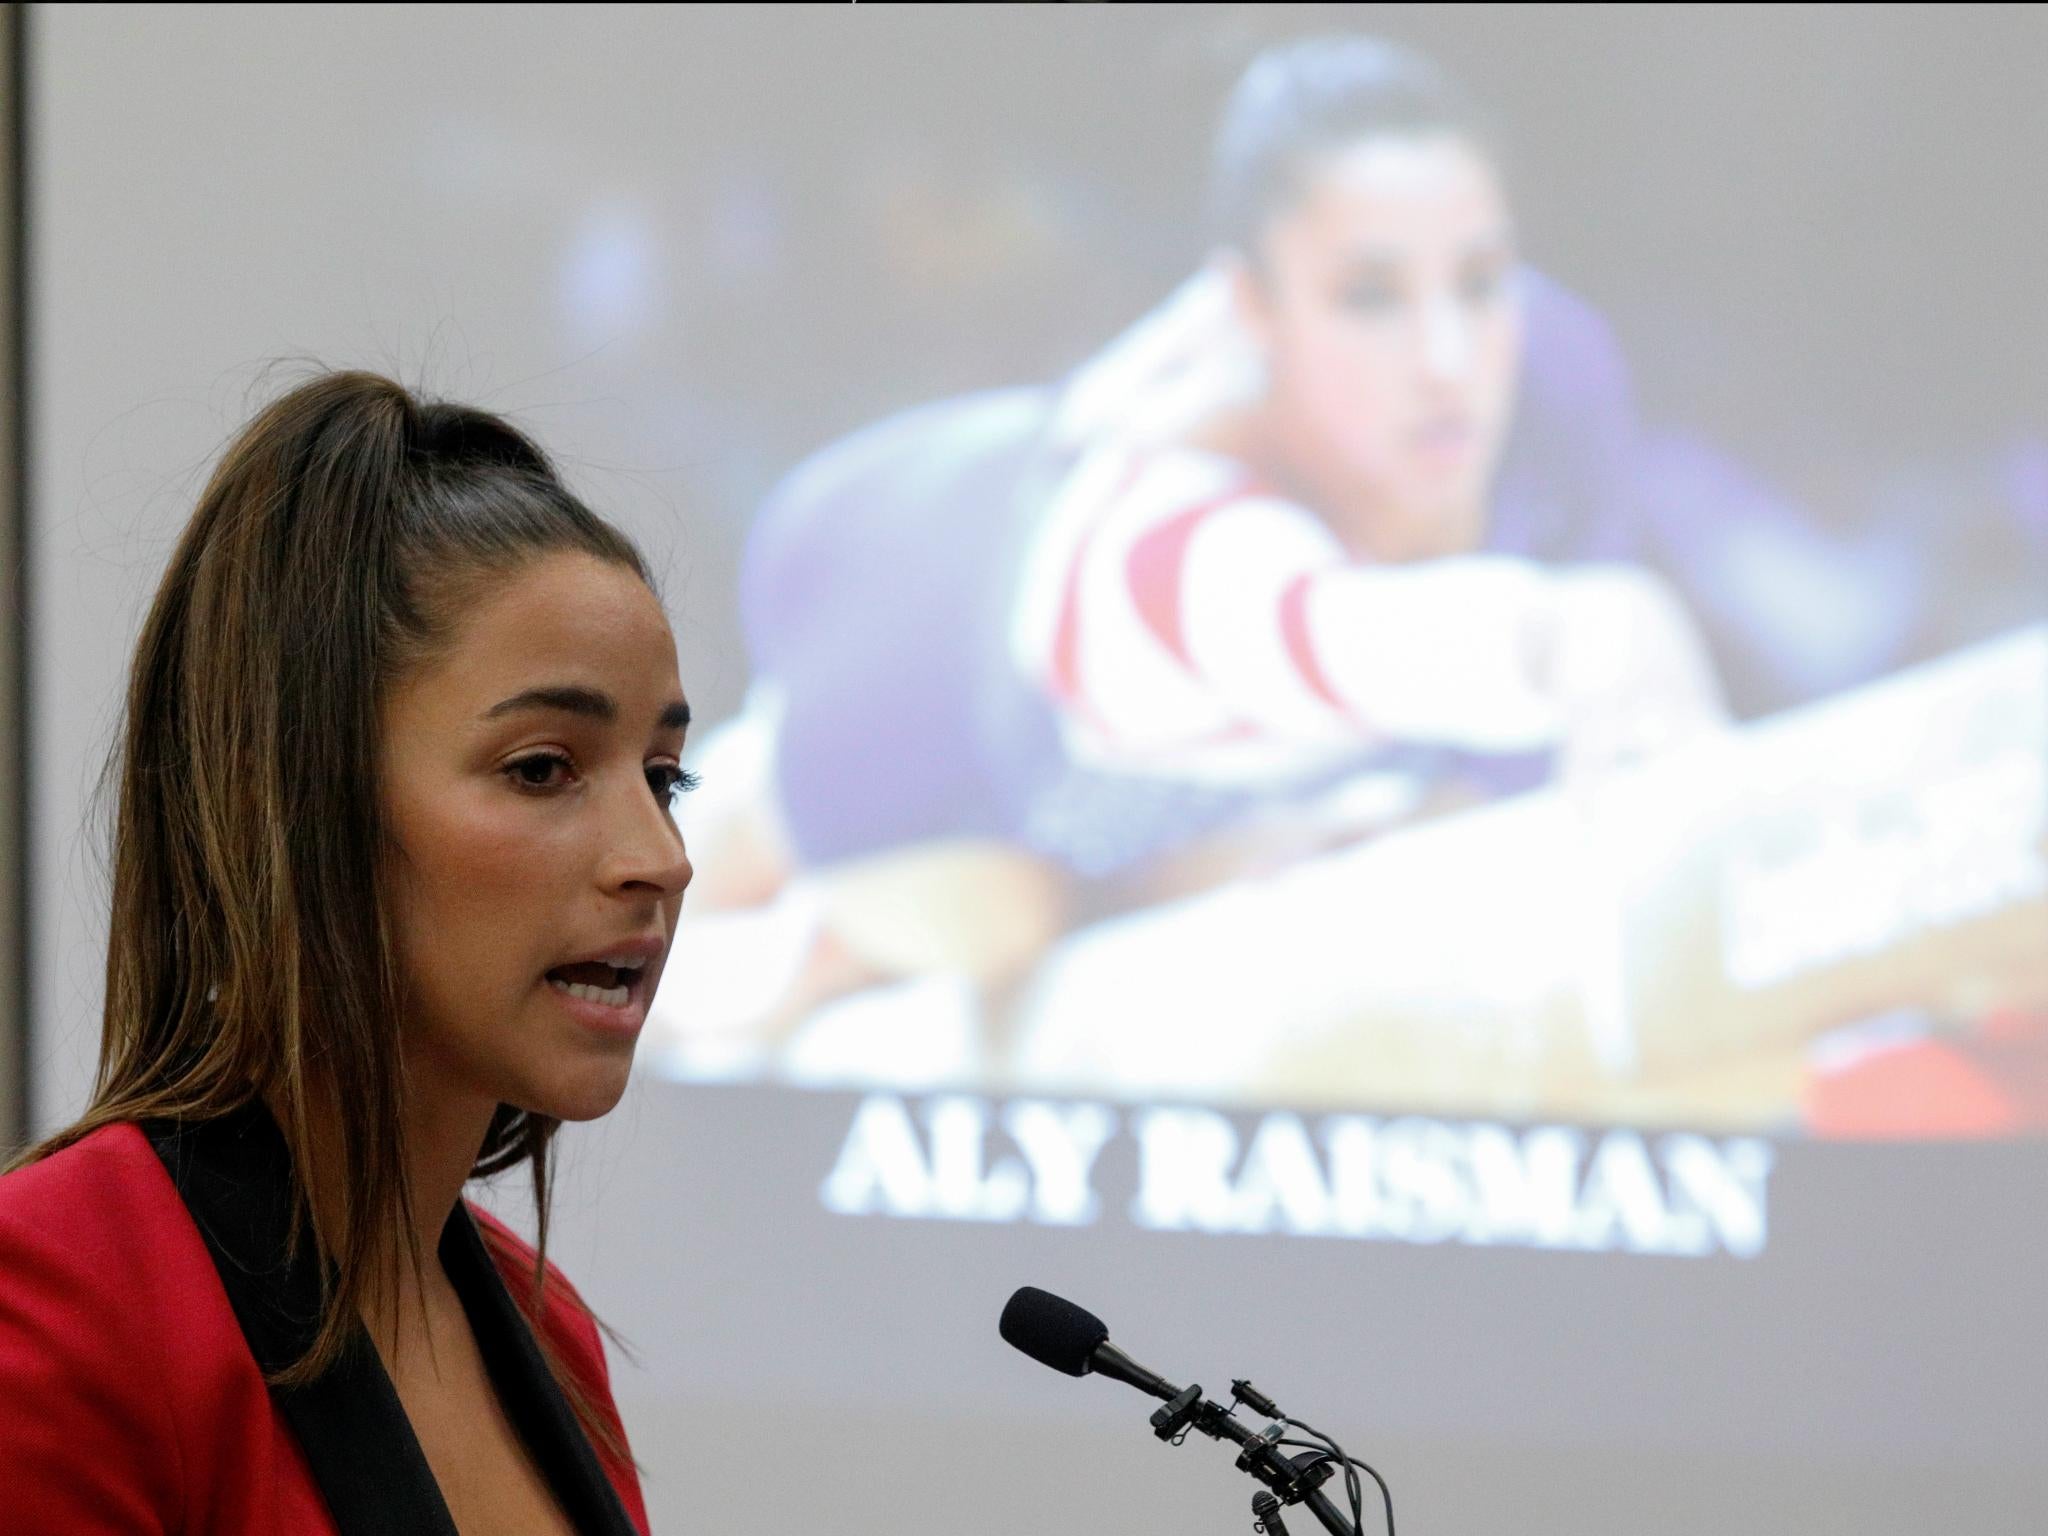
1335 540
1256 551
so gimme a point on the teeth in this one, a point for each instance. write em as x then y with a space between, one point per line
611 997
626 962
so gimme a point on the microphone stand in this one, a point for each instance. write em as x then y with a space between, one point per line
1259 1452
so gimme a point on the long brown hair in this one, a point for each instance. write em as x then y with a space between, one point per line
333 553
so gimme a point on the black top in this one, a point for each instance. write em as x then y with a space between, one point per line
233 1174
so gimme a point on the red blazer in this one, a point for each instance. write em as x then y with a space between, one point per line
142 1281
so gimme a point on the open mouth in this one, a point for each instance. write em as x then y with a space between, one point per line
612 986
1445 436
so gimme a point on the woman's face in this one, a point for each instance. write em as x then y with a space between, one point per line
535 833
1384 302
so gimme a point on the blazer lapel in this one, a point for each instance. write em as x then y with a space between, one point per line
533 1400
233 1173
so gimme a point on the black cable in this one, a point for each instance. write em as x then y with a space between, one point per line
1332 1451
1351 1482
1350 1478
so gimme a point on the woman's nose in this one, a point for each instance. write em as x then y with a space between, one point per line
1446 340
651 847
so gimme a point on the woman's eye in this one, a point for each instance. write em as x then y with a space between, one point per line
1369 298
677 781
542 760
1481 287
666 779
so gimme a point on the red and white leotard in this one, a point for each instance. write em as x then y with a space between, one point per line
1190 623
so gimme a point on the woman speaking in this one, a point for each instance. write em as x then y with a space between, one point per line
395 873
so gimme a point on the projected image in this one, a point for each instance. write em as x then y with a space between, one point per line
1329 693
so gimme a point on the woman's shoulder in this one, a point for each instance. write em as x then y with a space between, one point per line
97 1229
107 1186
111 1323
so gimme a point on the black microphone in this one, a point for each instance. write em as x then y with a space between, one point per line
1055 1332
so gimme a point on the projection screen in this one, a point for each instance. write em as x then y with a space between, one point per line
1371 685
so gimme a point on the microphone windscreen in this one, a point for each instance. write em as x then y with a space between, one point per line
1052 1330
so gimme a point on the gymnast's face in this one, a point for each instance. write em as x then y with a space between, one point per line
1384 302
534 834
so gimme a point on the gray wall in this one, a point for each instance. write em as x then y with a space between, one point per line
13 952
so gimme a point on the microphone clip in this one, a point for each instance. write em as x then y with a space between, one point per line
1171 1422
1252 1452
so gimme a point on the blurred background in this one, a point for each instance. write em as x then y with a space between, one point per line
1768 998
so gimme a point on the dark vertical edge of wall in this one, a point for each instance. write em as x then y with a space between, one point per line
16 617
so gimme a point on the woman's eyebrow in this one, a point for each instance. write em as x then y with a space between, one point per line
575 699
1376 257
1374 254
1500 238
